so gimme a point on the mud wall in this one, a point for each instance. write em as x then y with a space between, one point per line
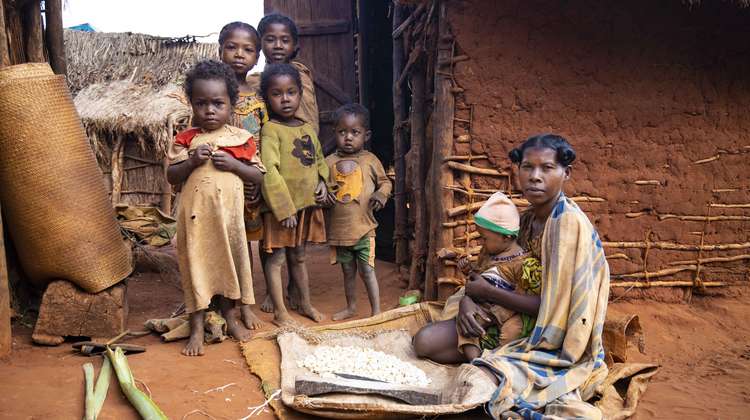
654 97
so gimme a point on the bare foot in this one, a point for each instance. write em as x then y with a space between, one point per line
345 314
267 305
375 312
283 319
236 330
249 318
194 347
293 296
311 313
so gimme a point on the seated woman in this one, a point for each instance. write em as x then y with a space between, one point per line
551 373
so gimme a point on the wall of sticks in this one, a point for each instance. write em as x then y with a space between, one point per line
664 191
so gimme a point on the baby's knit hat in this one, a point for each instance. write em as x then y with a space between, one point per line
499 215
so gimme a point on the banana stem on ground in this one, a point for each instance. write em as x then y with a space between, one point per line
95 395
142 403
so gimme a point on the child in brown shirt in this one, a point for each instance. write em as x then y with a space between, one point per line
359 188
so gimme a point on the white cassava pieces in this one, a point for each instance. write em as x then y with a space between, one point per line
364 362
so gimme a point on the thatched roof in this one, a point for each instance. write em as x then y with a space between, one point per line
141 113
94 57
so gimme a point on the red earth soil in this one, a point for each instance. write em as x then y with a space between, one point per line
703 347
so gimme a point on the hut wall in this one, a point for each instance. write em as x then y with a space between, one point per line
654 96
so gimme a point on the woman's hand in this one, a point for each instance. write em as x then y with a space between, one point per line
200 155
476 288
321 192
223 161
467 323
290 222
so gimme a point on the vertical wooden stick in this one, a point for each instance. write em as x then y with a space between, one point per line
442 198
417 152
32 27
166 189
4 52
118 162
54 35
399 149
5 330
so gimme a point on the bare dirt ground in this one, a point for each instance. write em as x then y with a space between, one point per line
703 347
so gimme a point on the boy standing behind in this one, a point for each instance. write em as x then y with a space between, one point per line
359 188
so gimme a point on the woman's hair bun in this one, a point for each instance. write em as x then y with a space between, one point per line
563 150
515 155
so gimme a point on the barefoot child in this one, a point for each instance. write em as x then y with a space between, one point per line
212 161
279 41
503 264
293 186
239 47
362 188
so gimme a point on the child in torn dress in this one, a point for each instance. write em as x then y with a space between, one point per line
292 189
360 187
239 47
280 44
212 161
503 264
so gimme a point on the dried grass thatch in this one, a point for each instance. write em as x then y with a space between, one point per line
122 109
94 57
130 128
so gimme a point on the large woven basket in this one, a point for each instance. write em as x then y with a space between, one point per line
53 194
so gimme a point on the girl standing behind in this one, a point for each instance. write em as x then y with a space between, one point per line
295 183
239 47
279 40
213 160
280 44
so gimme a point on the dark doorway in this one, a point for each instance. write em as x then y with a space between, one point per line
376 93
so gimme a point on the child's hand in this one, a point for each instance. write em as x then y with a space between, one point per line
464 264
200 155
375 204
252 193
290 222
476 286
223 161
321 192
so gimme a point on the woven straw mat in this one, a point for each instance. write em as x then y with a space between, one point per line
53 194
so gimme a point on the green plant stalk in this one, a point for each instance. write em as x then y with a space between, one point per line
142 403
96 394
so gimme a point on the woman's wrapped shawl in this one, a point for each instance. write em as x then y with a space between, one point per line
563 359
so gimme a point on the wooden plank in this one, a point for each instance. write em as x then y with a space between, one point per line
441 198
313 385
329 86
4 52
399 149
323 27
54 35
417 154
33 39
6 341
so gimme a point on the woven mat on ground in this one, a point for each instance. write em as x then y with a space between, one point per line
54 200
148 225
617 397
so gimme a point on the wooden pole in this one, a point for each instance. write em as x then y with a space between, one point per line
399 146
5 329
442 119
118 162
417 152
4 52
32 29
54 35
166 190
